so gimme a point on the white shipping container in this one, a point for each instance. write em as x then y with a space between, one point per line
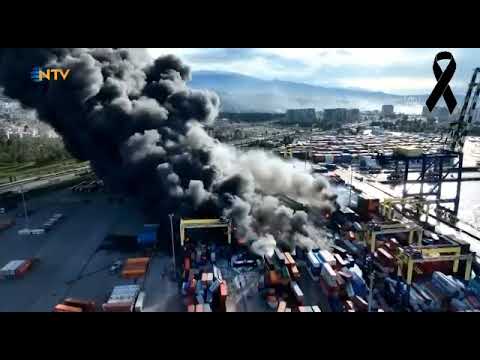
329 275
123 297
24 232
10 268
327 257
296 290
38 231
121 301
313 259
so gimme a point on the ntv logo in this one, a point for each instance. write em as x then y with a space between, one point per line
39 74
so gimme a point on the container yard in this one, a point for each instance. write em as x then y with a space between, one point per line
378 260
385 249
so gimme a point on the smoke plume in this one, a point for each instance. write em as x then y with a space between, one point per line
142 129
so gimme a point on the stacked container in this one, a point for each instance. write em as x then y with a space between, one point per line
15 268
135 267
122 299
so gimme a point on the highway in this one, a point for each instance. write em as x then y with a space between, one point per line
40 181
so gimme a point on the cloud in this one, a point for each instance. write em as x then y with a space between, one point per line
401 71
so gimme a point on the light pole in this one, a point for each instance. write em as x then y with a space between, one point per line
370 295
351 185
27 222
173 246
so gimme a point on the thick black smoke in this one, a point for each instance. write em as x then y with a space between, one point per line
141 127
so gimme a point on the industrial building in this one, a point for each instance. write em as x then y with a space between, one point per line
338 115
440 113
353 115
341 115
301 115
387 110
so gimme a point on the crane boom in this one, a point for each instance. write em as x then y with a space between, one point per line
458 129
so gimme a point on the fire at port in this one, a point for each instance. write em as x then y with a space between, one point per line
142 129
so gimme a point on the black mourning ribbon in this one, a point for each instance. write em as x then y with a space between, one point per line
443 78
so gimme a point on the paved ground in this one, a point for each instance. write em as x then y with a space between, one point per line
71 265
65 253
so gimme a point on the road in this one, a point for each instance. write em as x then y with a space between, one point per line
40 181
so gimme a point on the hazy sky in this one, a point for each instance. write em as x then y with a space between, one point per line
397 71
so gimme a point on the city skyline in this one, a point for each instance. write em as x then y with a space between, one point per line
395 71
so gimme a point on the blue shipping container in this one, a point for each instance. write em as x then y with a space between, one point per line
147 238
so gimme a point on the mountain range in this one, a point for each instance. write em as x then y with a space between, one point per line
241 93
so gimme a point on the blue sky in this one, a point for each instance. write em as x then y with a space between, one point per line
397 71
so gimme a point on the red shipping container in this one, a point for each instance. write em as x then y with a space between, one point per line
22 269
223 289
66 308
87 306
295 273
199 308
289 261
191 308
118 307
186 264
328 290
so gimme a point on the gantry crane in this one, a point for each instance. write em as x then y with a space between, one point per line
437 166
458 129
205 223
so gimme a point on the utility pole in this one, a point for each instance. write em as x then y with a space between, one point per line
173 246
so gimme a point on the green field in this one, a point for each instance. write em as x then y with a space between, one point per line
32 169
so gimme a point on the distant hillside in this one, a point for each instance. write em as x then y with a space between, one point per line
240 93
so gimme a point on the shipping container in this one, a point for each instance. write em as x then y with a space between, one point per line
85 305
329 275
289 259
298 293
133 274
118 307
142 261
282 305
66 308
223 289
295 272
327 257
313 260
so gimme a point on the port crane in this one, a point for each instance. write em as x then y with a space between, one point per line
205 223
459 129
436 167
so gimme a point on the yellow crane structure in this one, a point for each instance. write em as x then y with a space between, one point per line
287 152
393 228
205 223
433 253
387 206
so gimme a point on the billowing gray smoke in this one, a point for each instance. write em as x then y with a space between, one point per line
141 127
